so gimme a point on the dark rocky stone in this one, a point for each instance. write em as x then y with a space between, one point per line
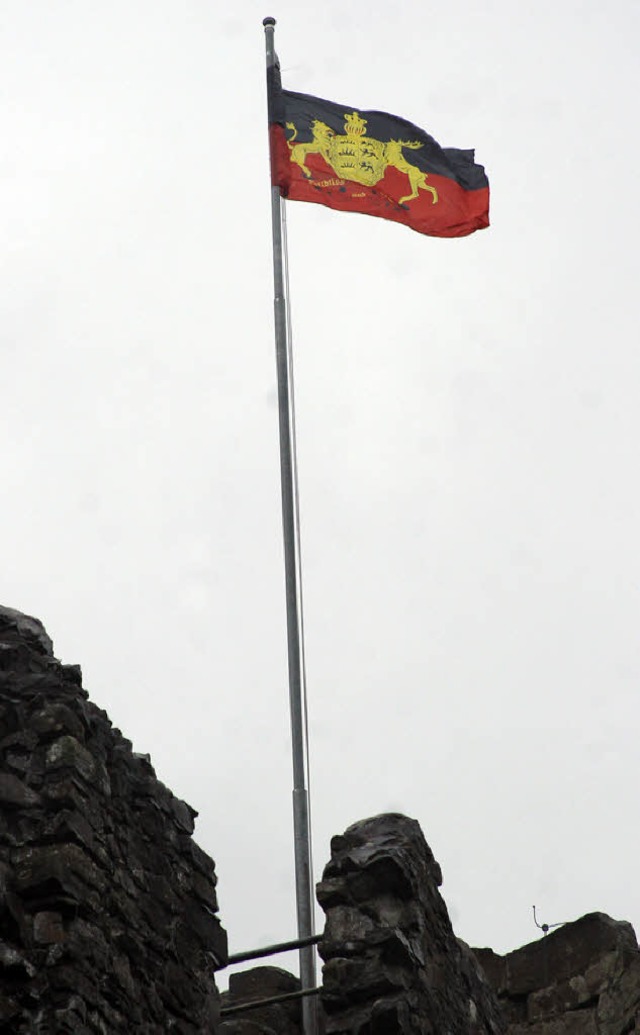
262 983
580 979
107 906
15 793
246 1027
68 753
48 928
31 629
9 1008
393 965
55 719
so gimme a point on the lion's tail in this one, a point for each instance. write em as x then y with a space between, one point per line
290 140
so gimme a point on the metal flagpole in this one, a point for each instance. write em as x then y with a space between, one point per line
290 525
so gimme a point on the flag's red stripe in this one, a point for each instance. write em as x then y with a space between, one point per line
456 213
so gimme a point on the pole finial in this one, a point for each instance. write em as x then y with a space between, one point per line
268 21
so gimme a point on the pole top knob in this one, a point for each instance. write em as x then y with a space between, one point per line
268 21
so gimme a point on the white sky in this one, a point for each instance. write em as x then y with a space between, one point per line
468 433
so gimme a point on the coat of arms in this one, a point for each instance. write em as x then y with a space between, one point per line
358 158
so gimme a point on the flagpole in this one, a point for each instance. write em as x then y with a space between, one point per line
305 901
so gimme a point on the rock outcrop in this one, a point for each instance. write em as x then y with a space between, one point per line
107 905
393 965
581 979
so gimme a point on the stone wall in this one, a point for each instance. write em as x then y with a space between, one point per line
581 979
107 906
254 985
393 965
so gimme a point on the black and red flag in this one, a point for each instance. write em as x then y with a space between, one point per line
372 162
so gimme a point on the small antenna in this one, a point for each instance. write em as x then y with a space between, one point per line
545 928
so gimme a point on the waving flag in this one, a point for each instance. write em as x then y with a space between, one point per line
374 163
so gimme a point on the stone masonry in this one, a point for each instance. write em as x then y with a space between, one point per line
107 906
108 911
254 985
393 965
581 979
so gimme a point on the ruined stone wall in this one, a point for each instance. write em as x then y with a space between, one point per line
256 985
393 965
581 979
107 905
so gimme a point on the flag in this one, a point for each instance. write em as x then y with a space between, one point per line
372 162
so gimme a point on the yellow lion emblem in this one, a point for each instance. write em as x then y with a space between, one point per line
359 158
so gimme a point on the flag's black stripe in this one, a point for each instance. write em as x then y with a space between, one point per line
302 109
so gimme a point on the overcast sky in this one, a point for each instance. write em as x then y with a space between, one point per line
468 432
